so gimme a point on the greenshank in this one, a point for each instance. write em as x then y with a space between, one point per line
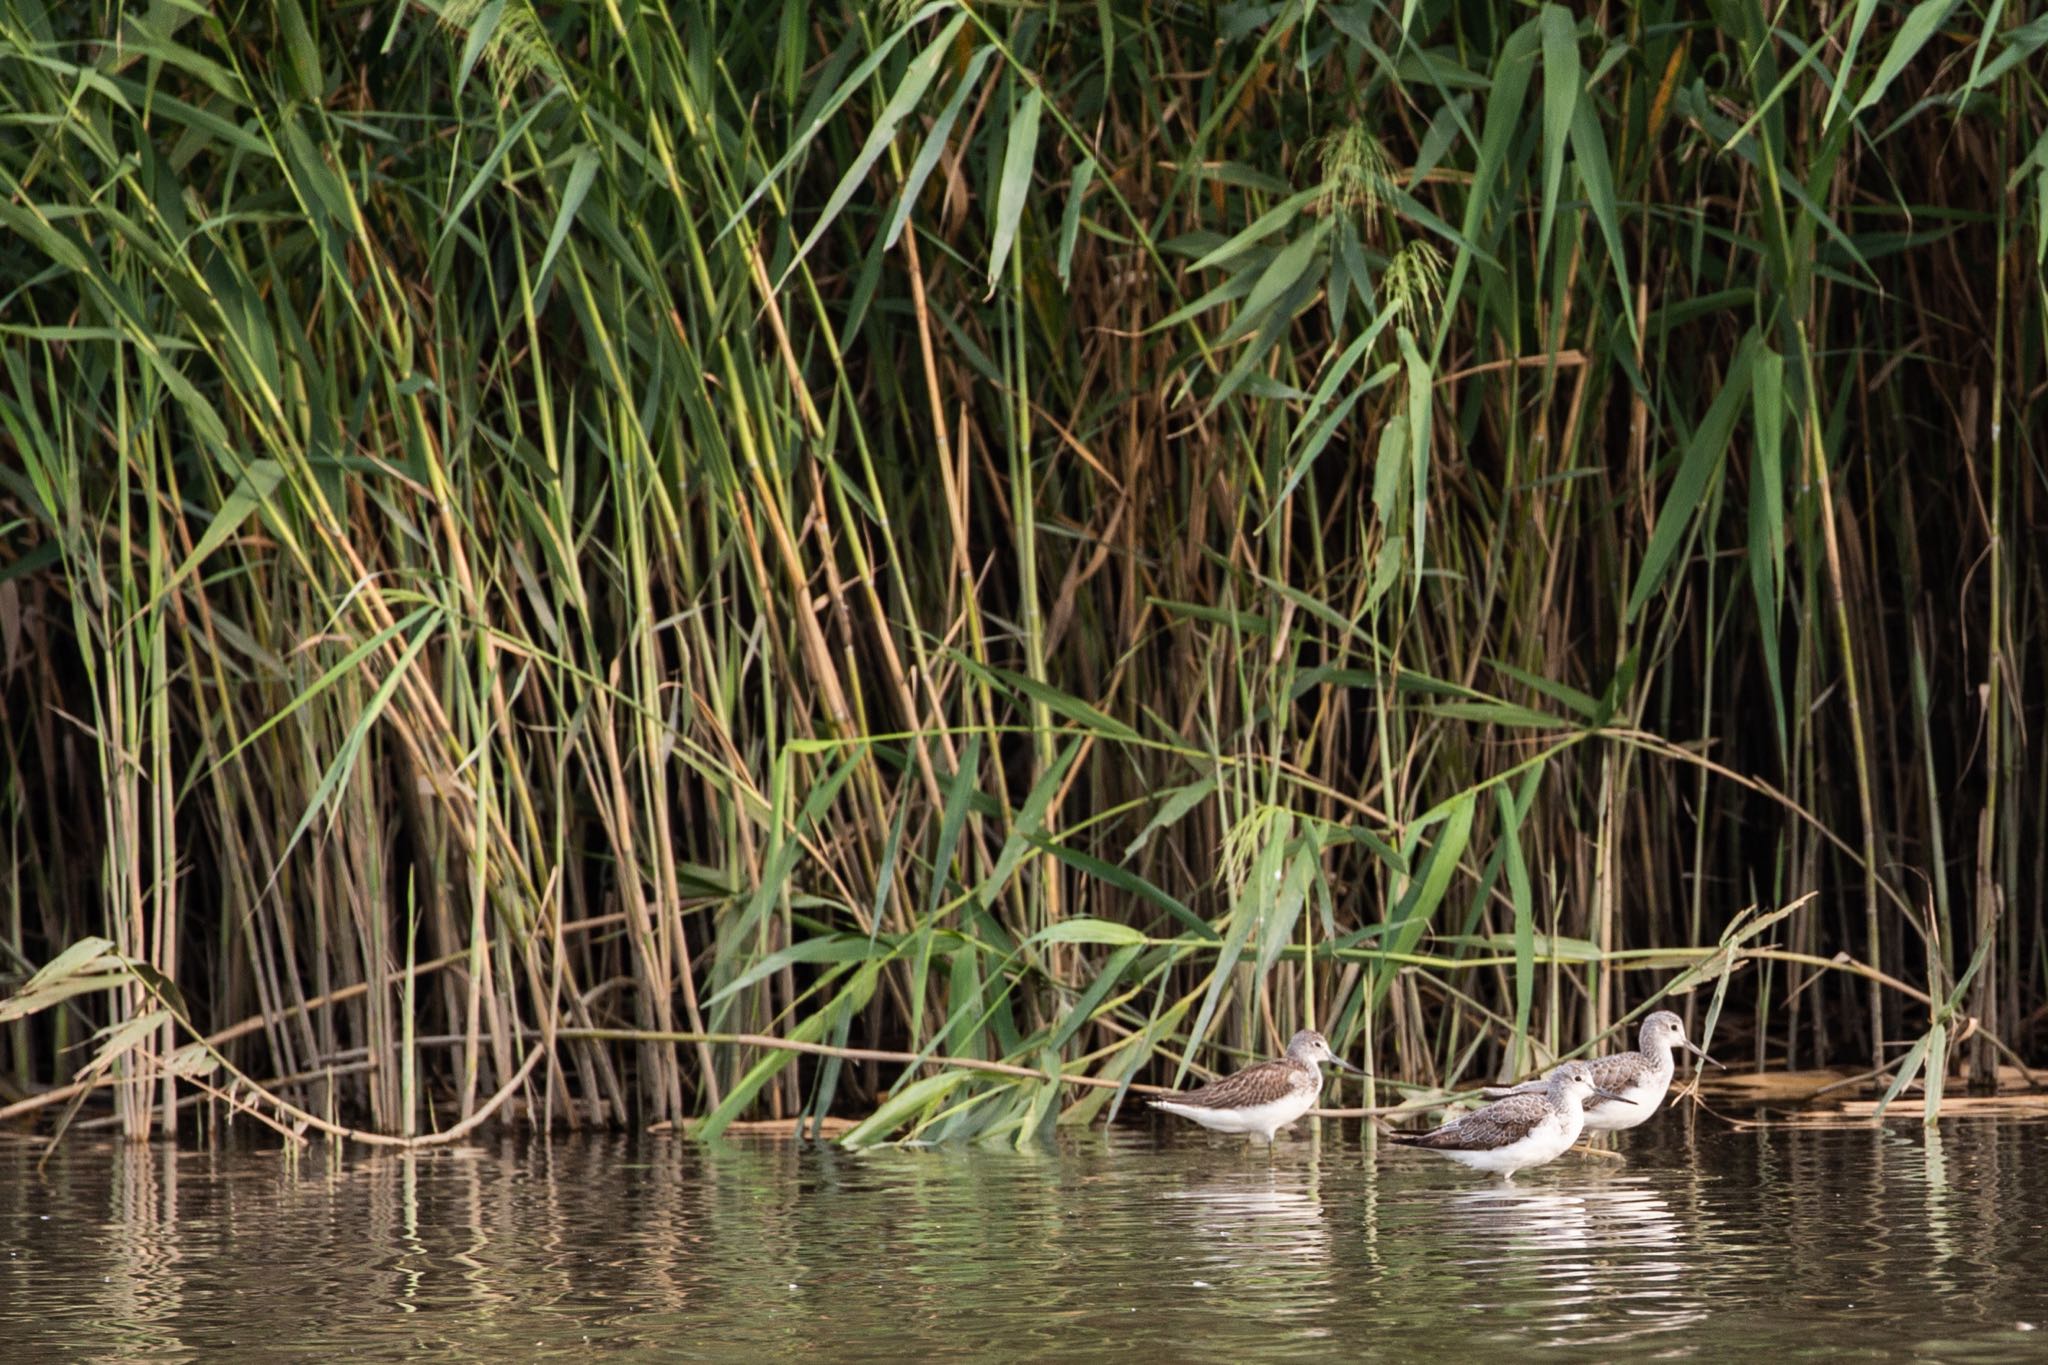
1261 1099
1525 1129
1641 1077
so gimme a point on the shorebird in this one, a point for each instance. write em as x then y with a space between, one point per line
1525 1129
1261 1099
1641 1077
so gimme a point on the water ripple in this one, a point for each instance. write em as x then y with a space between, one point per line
1142 1241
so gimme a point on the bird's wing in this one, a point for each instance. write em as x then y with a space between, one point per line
1259 1084
1483 1130
1617 1073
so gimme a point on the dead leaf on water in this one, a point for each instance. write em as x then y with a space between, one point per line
1838 1098
1772 1087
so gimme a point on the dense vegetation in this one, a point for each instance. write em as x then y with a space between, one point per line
537 538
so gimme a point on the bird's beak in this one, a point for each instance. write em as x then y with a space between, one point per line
1610 1095
1335 1060
1701 1053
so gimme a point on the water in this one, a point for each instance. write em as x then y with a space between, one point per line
1142 1243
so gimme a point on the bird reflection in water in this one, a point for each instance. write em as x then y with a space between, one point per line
1591 1253
1260 1217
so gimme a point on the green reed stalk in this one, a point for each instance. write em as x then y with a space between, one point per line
948 531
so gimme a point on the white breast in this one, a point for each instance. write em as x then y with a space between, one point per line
1545 1142
1261 1119
1647 1094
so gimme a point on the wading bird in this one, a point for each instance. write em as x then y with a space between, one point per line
1641 1077
1261 1099
1525 1129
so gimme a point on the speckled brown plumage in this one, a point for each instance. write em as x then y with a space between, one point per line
1484 1130
1643 1076
1262 1099
1255 1085
1620 1073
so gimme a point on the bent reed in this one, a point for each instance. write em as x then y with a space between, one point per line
624 563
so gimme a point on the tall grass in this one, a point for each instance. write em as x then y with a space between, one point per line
609 562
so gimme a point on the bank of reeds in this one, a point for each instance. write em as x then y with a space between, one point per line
546 546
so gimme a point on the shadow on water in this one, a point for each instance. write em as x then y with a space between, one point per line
1856 1242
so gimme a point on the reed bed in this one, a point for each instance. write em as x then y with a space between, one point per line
606 563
